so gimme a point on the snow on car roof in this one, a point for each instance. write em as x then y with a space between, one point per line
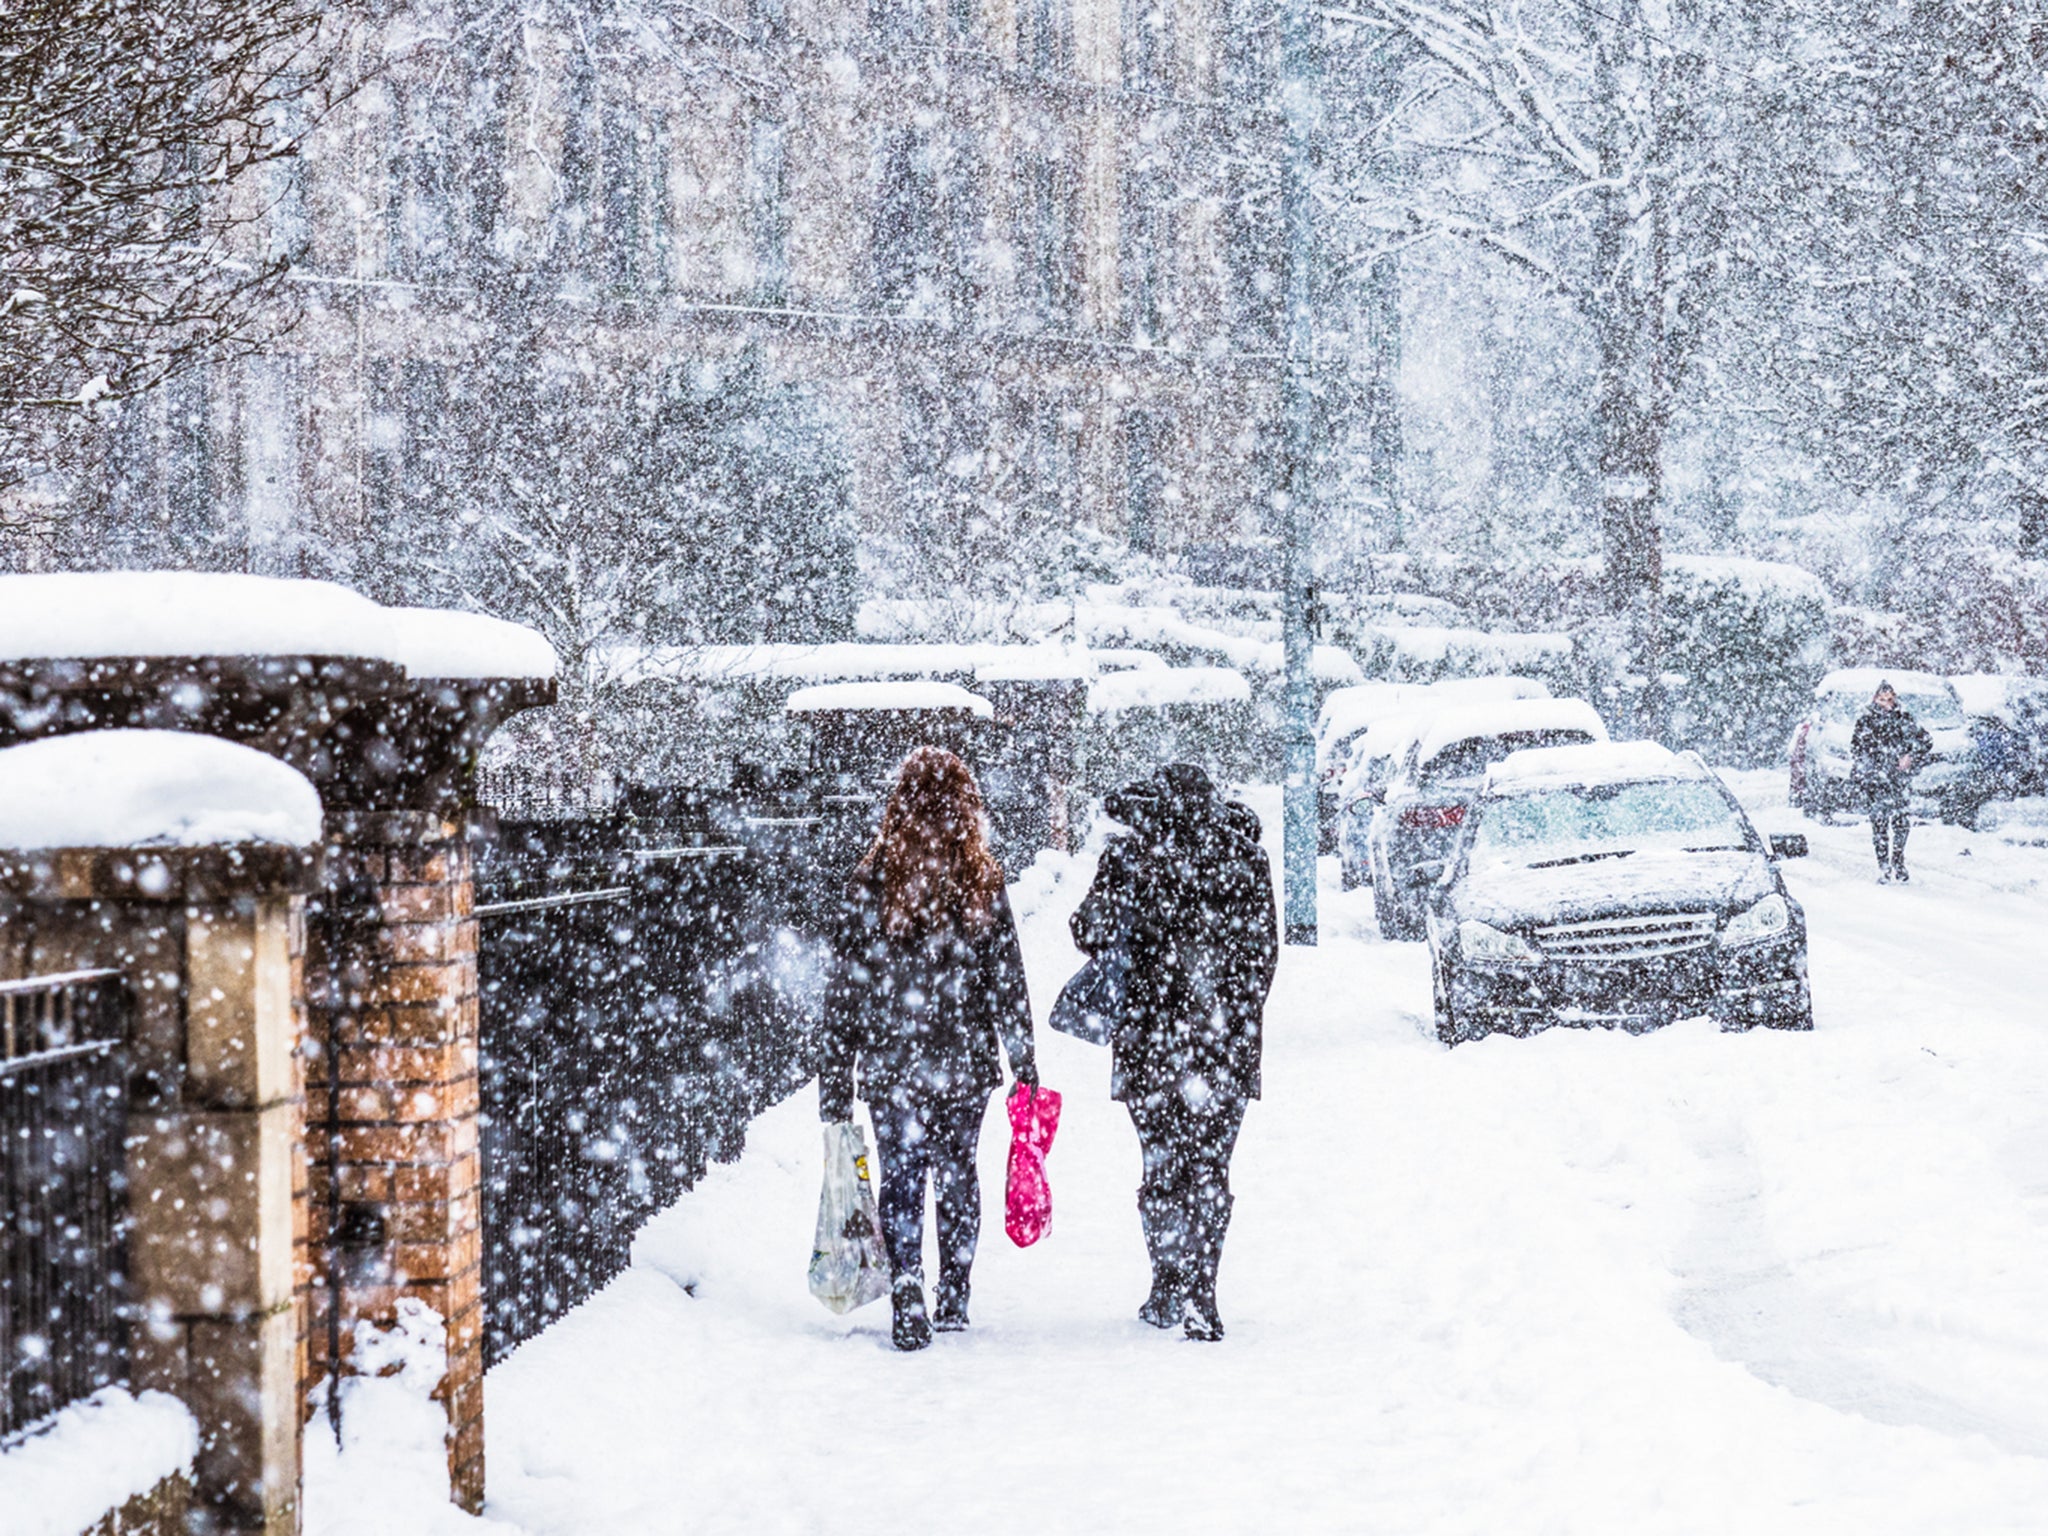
89 615
908 693
1993 693
1605 762
134 789
1501 719
1864 681
1389 736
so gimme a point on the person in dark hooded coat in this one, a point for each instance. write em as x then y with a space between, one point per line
1187 894
927 978
1886 749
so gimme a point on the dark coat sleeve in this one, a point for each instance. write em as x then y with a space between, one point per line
1009 1001
1105 915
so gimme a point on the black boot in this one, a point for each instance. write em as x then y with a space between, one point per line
949 1303
1165 1239
908 1327
1212 1220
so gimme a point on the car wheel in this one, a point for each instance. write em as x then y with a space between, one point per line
1446 1020
1383 911
1452 1028
1798 1016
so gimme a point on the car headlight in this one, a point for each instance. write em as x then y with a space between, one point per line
1483 944
1769 919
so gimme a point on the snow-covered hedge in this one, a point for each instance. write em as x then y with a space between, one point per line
1750 638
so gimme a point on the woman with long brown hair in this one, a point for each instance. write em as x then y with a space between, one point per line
927 978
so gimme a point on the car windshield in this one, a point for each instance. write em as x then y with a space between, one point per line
1606 820
1469 759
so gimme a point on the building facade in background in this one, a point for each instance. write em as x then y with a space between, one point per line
1020 253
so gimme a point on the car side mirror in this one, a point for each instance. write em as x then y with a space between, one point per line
1788 845
1423 875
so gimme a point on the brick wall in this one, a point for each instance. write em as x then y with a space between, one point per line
392 1111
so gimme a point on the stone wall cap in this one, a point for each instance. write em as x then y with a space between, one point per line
151 789
93 615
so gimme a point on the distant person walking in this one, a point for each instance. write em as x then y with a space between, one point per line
1187 896
1888 747
927 976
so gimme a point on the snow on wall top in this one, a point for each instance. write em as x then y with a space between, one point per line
439 642
1326 664
901 694
834 661
1436 644
135 789
1499 719
1152 688
1606 762
88 615
94 1457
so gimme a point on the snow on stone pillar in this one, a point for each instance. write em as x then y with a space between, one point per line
384 710
180 861
394 1103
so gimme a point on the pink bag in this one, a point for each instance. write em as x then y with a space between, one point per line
1034 1116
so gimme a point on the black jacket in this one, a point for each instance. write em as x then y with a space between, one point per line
1188 893
921 1017
1881 738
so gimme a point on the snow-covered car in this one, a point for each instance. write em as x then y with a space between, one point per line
1951 785
1619 885
2009 723
1374 759
1418 817
1348 714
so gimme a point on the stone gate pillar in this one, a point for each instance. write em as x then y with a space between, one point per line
208 941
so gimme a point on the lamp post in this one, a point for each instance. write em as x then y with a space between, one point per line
1299 836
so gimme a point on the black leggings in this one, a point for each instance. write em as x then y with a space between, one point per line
1184 1196
1888 831
939 1140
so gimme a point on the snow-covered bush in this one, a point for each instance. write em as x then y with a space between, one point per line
1750 639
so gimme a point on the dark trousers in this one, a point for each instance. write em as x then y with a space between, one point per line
938 1141
1184 1196
1888 831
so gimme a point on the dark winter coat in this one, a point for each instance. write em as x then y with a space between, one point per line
1881 738
1188 893
921 1017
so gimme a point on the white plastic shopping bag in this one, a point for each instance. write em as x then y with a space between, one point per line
849 1267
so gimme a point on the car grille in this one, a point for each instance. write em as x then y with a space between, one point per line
1627 938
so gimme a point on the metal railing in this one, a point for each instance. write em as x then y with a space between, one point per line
63 1182
639 982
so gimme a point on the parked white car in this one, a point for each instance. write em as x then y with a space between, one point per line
1821 773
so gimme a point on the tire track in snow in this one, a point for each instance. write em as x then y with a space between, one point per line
1740 1296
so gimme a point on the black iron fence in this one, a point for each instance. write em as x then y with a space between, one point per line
649 977
63 1223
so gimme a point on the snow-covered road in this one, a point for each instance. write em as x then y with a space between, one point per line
1580 1283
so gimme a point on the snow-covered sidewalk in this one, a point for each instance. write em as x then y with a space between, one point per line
1581 1283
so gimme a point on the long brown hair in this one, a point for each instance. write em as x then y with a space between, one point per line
931 857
